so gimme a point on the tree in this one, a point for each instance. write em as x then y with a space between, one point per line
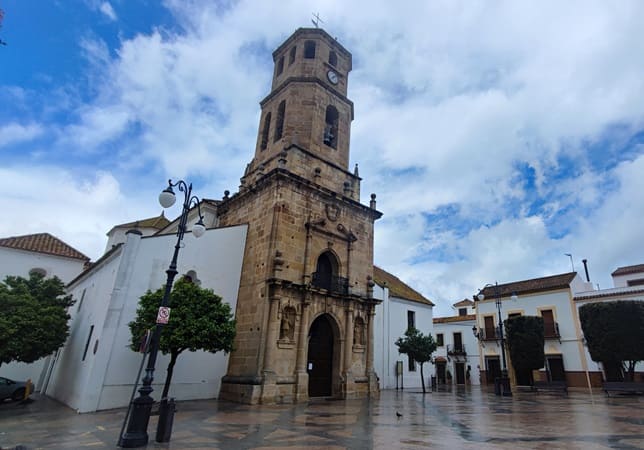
199 321
614 332
418 347
524 335
33 317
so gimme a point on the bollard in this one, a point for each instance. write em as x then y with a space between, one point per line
167 409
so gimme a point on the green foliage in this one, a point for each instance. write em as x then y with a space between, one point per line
199 320
417 346
614 332
525 342
33 317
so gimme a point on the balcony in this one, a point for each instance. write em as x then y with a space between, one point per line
332 283
551 330
489 334
456 350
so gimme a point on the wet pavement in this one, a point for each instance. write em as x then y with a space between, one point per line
469 418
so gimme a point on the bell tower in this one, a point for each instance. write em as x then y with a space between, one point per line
307 105
305 305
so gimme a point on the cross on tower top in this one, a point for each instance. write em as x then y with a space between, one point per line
316 20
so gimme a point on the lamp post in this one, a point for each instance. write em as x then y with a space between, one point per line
503 386
137 429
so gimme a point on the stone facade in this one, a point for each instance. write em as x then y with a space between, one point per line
305 306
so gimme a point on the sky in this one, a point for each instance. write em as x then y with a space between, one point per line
498 136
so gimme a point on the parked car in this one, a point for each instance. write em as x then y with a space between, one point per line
15 390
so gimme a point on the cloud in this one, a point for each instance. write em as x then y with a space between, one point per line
108 11
497 136
16 133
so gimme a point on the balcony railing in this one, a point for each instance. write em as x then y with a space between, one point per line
335 284
490 334
456 350
551 330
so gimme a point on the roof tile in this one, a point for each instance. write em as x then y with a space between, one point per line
396 287
42 243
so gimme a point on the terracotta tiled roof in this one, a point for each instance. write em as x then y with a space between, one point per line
628 270
396 287
157 222
550 283
454 319
464 302
42 243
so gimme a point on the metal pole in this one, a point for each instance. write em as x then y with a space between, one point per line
505 381
137 430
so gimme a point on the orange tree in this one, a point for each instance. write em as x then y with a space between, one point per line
417 346
199 320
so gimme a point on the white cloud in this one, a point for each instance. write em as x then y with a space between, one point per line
107 10
14 133
484 128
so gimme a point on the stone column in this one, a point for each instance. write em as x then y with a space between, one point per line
269 384
374 389
348 340
302 376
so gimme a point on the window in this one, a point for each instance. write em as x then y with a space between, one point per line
265 130
280 66
638 282
490 328
326 274
458 342
291 56
411 364
309 49
279 126
549 324
333 58
89 339
411 319
331 127
439 339
462 311
513 315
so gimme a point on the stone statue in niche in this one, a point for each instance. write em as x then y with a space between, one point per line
358 332
287 325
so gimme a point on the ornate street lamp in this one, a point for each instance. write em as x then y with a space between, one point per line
137 429
502 384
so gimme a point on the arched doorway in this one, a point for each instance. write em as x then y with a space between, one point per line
320 358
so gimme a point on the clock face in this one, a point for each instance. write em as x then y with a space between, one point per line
332 76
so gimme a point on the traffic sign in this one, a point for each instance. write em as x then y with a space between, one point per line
163 315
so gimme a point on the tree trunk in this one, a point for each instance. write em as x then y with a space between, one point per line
422 377
168 377
631 371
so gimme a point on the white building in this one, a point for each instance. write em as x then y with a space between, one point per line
49 256
457 354
552 298
628 284
95 369
402 307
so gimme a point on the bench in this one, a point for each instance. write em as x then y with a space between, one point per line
624 387
558 386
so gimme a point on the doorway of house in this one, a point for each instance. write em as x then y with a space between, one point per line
555 368
440 372
493 369
459 368
320 358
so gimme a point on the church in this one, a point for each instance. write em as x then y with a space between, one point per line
291 252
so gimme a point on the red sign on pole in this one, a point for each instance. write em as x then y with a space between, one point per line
163 315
